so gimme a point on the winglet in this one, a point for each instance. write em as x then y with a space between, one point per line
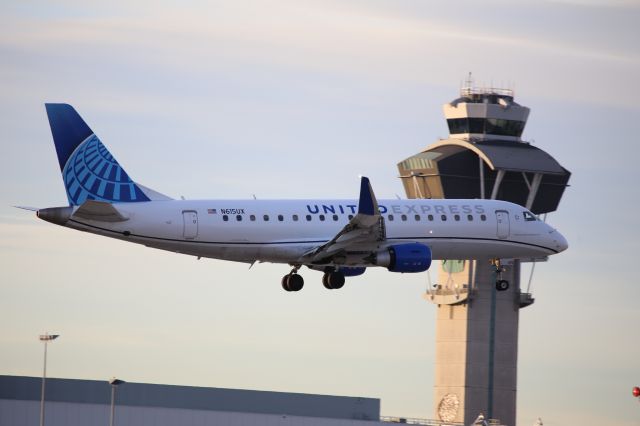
367 205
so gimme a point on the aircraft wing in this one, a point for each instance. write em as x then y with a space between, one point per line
365 229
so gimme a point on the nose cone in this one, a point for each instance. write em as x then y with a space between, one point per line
559 241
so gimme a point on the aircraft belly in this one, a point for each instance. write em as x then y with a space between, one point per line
483 249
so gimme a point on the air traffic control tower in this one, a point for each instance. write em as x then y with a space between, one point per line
477 312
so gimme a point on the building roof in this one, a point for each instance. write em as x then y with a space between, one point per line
191 397
504 155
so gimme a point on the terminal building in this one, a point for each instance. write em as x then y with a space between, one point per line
71 402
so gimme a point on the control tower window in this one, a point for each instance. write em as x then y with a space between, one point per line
476 125
497 126
492 126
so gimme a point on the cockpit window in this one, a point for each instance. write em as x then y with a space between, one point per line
528 216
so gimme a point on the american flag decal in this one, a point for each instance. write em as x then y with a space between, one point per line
212 211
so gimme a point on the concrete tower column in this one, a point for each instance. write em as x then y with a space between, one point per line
476 342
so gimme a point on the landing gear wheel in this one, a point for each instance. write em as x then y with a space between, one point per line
296 282
333 280
502 285
285 282
292 282
325 281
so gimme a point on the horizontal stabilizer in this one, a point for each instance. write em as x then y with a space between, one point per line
32 209
99 211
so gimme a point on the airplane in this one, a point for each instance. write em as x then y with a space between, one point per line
340 238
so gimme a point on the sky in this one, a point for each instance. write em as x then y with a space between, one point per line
295 99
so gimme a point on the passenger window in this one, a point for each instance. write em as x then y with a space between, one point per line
225 218
390 217
470 218
308 218
417 217
280 218
335 217
430 218
403 217
266 217
295 217
483 217
321 218
252 218
239 218
443 217
456 217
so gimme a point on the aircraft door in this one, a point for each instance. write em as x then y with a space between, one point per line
502 218
190 221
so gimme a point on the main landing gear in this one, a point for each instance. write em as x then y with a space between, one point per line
292 281
501 285
331 280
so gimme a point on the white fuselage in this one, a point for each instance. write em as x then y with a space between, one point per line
282 231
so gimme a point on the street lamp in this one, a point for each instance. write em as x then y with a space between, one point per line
114 384
46 338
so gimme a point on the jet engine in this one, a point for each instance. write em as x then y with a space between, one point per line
411 257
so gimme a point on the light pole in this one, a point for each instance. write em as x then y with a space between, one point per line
46 338
114 384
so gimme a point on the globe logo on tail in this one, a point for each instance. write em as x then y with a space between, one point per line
91 173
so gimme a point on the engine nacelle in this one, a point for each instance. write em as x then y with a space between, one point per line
411 257
352 271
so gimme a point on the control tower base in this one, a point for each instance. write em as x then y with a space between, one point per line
476 342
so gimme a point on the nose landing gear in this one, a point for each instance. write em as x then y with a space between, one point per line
501 285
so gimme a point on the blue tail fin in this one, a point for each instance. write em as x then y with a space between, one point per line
88 169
